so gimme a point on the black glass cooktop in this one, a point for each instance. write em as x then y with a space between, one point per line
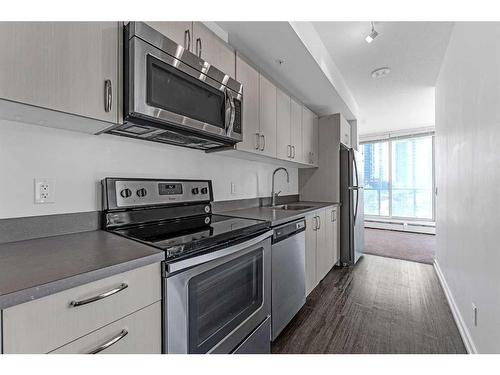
189 236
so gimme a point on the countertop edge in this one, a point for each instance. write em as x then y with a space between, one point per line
44 290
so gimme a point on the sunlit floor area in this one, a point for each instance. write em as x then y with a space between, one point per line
416 247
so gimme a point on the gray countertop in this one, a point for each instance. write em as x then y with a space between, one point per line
275 215
33 269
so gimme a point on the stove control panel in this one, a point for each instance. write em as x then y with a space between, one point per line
142 192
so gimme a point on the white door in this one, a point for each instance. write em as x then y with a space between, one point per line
296 131
267 117
249 78
181 32
307 135
323 247
211 48
283 126
62 66
311 225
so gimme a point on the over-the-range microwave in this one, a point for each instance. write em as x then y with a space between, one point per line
173 96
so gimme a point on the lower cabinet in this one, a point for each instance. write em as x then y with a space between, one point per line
321 245
93 313
137 333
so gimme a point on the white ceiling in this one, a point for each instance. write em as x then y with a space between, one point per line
403 99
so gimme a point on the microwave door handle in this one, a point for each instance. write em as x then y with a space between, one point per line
232 111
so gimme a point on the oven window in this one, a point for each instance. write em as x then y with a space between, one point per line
175 91
223 297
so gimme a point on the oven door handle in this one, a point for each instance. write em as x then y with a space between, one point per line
195 261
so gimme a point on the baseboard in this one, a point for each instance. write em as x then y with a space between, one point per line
462 328
401 226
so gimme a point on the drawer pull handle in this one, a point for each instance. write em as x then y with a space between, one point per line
100 296
107 344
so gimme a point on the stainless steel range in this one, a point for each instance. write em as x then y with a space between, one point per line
217 272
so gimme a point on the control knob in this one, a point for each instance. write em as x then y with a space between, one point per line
125 193
142 192
195 190
204 190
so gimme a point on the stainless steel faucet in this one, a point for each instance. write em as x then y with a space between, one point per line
273 194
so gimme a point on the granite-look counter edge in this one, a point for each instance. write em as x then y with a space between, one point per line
36 268
275 215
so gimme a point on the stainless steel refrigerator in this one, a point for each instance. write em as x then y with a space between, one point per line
352 231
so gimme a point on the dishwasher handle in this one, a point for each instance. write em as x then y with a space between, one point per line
287 230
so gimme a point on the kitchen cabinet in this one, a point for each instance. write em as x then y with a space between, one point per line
345 132
48 323
284 148
321 245
327 253
70 67
311 244
211 48
249 78
181 32
137 333
296 131
288 127
267 116
200 40
310 137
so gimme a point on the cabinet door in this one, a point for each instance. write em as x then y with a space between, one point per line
267 103
181 32
323 247
249 78
307 135
315 140
61 66
283 126
296 131
335 231
311 223
345 132
331 252
211 48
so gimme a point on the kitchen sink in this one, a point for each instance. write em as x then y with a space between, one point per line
293 207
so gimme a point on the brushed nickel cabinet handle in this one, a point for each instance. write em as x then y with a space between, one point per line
257 141
263 142
187 39
108 95
293 152
99 297
319 222
198 47
289 151
107 344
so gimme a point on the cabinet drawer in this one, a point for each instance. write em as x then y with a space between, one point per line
137 333
45 324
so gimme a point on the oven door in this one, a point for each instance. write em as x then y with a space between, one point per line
212 307
163 89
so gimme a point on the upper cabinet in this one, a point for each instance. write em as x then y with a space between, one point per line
296 131
209 47
284 148
345 132
198 39
310 137
180 32
267 105
249 78
70 67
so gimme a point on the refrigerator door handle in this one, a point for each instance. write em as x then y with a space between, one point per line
357 184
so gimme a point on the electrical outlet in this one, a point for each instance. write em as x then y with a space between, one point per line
45 190
474 315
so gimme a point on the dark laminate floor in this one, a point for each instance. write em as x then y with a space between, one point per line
382 305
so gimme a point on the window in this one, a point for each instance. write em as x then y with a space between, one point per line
399 178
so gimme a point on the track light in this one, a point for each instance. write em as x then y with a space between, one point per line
372 35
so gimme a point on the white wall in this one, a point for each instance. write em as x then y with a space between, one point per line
468 178
79 161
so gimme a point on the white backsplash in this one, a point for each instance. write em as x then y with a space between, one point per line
77 162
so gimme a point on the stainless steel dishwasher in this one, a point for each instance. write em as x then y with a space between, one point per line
288 274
